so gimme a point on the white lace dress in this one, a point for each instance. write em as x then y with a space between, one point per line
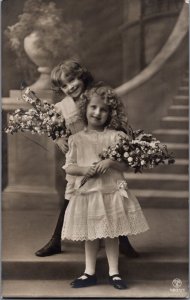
104 206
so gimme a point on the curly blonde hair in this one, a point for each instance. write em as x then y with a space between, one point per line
117 119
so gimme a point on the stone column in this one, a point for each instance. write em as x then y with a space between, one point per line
34 175
131 33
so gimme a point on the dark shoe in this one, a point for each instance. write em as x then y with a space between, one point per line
126 248
51 248
117 283
88 281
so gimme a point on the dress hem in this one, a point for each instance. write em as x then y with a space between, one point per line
104 236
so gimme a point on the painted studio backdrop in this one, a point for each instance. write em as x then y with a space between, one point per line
140 48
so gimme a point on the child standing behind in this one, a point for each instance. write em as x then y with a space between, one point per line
72 79
103 208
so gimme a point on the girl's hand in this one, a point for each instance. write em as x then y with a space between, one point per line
91 171
62 144
102 166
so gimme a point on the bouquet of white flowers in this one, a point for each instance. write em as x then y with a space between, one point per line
139 151
42 118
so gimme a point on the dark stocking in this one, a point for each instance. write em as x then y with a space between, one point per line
59 225
54 245
126 248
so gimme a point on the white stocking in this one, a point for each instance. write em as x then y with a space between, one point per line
112 252
91 249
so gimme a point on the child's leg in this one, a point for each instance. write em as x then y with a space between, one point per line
89 277
91 250
126 248
112 252
54 245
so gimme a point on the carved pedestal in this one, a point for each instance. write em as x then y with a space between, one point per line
32 168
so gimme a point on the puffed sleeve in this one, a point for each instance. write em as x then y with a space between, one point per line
71 155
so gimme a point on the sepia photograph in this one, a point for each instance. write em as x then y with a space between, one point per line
95 152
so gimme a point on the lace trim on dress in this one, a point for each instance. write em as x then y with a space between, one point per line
109 226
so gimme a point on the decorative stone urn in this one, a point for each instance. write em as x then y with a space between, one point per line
42 58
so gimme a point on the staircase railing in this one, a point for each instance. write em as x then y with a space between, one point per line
149 89
179 32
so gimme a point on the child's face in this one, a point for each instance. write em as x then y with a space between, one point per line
97 113
72 86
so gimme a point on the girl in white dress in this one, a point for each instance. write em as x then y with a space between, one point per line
103 208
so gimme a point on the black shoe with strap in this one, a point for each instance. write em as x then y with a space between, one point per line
88 280
51 248
117 282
